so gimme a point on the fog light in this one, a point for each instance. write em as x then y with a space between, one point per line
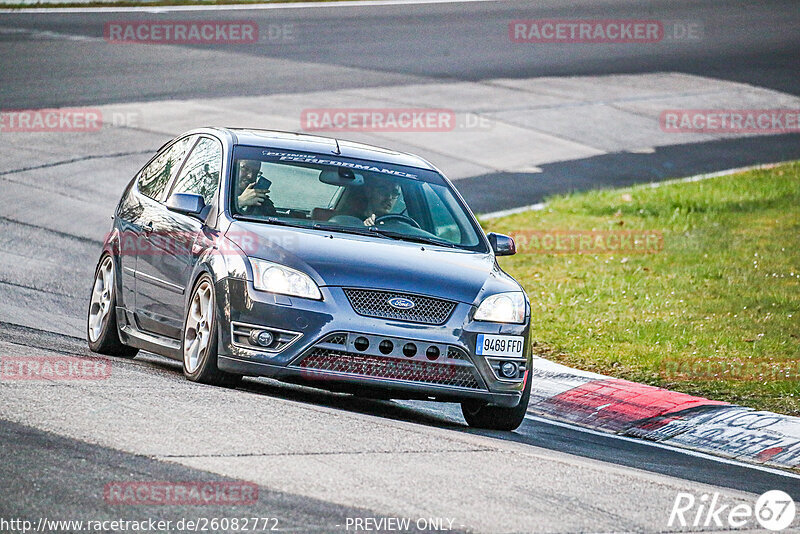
409 349
432 353
508 370
261 337
386 346
361 343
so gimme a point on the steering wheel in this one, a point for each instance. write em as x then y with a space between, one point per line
397 217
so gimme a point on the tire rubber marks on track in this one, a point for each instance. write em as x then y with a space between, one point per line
669 417
738 432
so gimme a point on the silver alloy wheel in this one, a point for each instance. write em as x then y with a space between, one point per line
100 304
198 326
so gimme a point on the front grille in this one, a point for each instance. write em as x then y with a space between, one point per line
391 368
427 310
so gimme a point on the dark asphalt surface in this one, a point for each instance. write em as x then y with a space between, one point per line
374 47
490 192
47 264
51 476
741 41
56 478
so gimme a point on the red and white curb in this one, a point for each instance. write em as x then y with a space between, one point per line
637 410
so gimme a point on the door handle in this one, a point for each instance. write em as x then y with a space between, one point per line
148 228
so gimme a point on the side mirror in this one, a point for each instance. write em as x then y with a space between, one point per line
502 245
186 203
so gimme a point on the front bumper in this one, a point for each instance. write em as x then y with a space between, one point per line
315 344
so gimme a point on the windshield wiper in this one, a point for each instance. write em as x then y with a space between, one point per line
269 220
347 229
389 234
413 238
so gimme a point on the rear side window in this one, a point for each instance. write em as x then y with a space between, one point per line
200 174
155 177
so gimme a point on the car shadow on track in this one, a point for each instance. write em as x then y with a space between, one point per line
536 432
321 397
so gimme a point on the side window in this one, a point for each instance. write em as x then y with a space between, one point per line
155 177
200 174
444 225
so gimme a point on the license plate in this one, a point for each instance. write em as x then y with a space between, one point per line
488 345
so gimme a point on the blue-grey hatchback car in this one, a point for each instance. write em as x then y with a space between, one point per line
317 261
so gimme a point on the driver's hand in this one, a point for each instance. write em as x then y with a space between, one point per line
370 221
252 197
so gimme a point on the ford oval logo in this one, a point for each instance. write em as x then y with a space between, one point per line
400 303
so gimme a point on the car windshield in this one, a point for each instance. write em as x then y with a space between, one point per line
327 192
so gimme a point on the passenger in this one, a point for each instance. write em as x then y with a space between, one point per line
251 201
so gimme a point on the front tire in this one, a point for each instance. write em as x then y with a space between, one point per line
479 415
199 340
101 322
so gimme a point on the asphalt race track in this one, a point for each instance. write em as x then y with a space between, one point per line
319 458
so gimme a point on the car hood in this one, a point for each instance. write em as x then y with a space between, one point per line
346 260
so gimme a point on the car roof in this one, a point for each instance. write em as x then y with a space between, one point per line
319 144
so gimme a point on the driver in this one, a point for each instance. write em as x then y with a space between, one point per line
381 195
251 201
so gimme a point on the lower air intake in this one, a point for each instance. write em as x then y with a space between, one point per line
390 368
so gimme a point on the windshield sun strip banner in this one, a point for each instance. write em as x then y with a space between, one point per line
300 157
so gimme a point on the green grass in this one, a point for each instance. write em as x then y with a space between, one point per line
724 290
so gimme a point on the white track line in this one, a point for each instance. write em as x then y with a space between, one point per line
502 213
689 452
47 35
238 7
695 178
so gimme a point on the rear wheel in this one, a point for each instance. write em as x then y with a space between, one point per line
199 344
480 415
101 323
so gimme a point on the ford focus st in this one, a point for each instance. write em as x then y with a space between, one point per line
310 260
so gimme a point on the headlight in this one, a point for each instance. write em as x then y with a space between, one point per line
502 308
268 276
